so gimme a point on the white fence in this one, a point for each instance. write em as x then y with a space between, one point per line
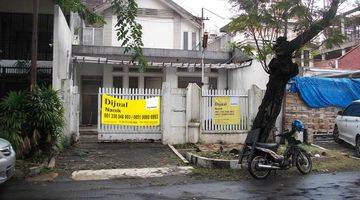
119 132
207 111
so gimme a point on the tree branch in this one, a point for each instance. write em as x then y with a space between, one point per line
315 28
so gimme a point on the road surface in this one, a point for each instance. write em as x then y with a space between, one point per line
344 185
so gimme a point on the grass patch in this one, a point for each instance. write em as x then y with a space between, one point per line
185 146
218 155
330 161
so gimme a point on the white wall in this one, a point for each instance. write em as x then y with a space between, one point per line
186 26
61 74
61 49
153 4
244 78
165 32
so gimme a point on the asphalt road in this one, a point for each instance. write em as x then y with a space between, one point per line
325 186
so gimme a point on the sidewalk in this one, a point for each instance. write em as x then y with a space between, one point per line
88 154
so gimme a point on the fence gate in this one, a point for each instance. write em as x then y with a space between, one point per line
119 132
237 98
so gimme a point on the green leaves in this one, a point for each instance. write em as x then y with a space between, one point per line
31 121
85 13
129 31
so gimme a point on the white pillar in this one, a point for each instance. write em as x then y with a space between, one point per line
125 77
302 59
311 60
222 80
171 77
107 76
141 81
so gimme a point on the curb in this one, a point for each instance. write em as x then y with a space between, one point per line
107 174
212 162
178 154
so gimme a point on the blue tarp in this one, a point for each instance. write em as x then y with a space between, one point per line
324 92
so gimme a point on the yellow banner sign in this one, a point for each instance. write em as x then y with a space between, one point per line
142 112
226 111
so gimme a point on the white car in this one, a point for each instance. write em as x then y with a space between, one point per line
7 161
347 125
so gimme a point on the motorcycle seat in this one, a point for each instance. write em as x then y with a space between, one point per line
267 145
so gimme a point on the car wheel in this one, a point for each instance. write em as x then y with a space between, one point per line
336 134
358 145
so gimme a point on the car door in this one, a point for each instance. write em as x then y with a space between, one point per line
353 124
342 122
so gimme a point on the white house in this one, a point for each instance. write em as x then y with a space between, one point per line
171 38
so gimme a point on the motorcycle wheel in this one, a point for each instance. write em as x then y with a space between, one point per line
254 169
303 162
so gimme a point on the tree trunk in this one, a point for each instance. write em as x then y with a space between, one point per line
281 69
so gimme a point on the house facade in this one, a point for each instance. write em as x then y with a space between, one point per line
171 37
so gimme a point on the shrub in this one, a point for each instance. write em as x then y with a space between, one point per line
32 121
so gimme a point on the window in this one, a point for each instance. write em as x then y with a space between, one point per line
353 110
133 82
118 82
193 40
213 83
16 32
186 41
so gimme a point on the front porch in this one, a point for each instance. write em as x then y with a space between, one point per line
109 67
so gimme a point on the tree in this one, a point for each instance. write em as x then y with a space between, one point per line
265 20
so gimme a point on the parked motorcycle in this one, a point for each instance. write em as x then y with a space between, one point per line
262 157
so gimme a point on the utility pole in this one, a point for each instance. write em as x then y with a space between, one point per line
204 39
202 48
34 45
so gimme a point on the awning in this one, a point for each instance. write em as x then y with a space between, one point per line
88 59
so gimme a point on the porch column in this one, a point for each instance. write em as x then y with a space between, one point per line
171 77
222 80
125 77
107 76
311 60
141 81
302 59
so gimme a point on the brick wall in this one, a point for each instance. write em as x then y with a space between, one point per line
315 120
351 60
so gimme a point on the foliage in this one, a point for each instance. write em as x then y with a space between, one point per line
128 30
85 13
264 21
32 121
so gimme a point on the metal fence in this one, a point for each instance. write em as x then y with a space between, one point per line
207 111
127 93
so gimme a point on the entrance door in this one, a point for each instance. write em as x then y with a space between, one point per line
89 96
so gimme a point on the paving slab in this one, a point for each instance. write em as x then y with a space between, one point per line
89 154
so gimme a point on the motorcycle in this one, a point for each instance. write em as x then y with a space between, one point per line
262 157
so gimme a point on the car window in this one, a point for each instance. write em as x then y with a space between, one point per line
352 110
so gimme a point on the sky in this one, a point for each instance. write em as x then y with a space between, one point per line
225 10
220 7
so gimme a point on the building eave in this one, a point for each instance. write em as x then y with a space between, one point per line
185 57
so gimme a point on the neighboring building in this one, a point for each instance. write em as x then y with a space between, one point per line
171 38
54 53
15 44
